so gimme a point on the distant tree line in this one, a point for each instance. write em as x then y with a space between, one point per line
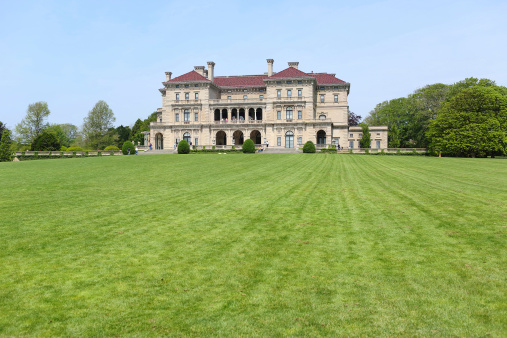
97 132
467 118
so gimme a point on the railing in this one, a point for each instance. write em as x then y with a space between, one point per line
237 121
71 153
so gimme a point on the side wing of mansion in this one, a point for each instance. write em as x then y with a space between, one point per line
283 110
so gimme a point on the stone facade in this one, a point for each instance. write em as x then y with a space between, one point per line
283 109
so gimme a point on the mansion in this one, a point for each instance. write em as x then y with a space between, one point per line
282 109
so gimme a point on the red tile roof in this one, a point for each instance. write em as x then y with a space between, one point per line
323 78
192 76
241 81
291 73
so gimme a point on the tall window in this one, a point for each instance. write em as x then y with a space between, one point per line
300 114
300 140
300 93
279 141
177 96
351 144
289 139
186 137
196 116
196 141
278 93
197 96
322 98
378 144
186 115
288 115
336 98
289 93
187 96
177 117
278 115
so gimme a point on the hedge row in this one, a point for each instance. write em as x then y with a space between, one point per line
57 154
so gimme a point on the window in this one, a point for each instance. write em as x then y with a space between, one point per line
360 135
245 90
228 97
322 88
289 82
322 98
300 93
196 117
245 97
278 82
359 144
378 144
322 117
187 96
279 141
351 144
177 96
335 87
336 98
186 115
177 117
288 115
196 141
300 114
351 135
289 93
261 90
289 139
196 85
186 86
261 97
279 93
177 86
278 115
186 137
197 96
300 82
300 140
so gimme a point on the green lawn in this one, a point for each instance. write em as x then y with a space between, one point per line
271 245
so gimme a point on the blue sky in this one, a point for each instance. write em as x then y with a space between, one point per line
73 53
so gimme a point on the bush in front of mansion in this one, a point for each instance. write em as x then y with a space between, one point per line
309 147
183 147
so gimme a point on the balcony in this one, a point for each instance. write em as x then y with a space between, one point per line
186 102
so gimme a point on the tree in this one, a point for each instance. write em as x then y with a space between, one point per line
2 128
123 135
353 119
136 128
46 141
97 124
66 133
365 140
34 122
5 145
473 123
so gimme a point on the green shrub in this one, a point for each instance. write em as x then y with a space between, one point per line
203 147
367 151
382 152
74 148
248 147
213 148
233 147
46 141
125 148
5 142
309 147
111 147
86 153
183 147
63 148
398 152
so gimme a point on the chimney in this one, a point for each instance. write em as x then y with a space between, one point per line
294 64
211 70
199 69
270 66
168 76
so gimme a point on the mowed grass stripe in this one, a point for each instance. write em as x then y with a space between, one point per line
253 245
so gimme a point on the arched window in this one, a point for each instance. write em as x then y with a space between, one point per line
186 137
288 114
289 139
321 137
